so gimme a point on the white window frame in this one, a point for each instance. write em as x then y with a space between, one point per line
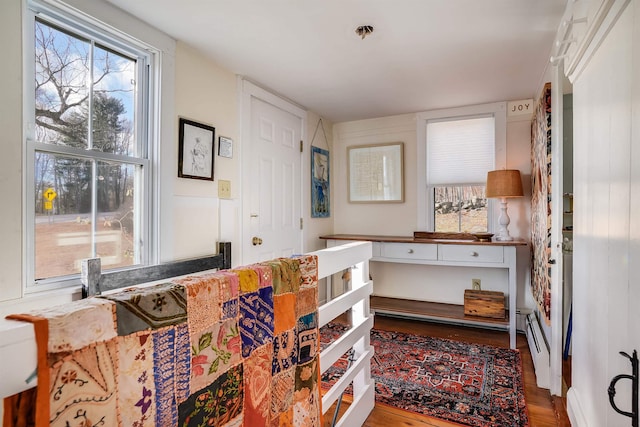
498 111
148 105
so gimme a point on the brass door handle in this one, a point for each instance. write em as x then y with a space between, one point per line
256 241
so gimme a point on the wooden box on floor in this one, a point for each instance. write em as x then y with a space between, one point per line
484 304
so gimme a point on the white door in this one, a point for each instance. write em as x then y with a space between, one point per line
271 182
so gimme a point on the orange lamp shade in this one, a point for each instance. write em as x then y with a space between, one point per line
504 183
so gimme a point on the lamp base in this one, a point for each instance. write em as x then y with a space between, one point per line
503 223
506 238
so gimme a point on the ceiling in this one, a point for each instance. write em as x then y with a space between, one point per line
422 55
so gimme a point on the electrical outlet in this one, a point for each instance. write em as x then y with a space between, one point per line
224 189
475 284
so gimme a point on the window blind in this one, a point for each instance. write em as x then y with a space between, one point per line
460 151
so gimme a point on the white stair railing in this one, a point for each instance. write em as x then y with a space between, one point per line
355 301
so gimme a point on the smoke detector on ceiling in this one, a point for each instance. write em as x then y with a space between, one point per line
364 30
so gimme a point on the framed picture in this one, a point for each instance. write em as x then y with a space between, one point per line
376 173
225 147
195 150
320 183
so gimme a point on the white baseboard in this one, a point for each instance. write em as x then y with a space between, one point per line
574 410
539 351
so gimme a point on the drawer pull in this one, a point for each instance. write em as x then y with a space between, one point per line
472 253
410 251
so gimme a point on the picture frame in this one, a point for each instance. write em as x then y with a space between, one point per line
376 173
320 184
195 150
225 147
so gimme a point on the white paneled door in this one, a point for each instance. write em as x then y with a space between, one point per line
272 183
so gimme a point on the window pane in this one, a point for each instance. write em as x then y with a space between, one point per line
113 102
64 234
62 80
460 209
62 217
116 230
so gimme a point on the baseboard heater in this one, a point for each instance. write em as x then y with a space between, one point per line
539 350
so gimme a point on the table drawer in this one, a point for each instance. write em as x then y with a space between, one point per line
472 253
418 251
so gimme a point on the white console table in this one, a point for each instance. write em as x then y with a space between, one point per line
442 252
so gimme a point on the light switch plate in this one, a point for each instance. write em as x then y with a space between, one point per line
224 189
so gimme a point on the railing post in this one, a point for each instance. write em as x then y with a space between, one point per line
224 248
90 277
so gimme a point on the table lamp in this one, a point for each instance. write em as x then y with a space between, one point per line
503 184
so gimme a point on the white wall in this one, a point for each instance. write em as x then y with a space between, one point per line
206 93
401 219
11 159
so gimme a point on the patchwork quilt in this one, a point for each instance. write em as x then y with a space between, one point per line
231 348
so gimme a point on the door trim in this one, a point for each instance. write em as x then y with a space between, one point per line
249 90
557 179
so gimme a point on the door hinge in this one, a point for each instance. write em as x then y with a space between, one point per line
301 224
301 146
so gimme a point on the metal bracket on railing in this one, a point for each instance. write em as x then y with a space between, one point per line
634 391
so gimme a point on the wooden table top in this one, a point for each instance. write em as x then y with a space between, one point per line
411 239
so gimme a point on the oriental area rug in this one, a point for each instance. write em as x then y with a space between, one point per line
467 384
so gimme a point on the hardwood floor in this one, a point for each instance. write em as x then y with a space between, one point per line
544 411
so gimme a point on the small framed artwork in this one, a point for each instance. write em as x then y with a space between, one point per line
320 183
225 147
376 173
195 150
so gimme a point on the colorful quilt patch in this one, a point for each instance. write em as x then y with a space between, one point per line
169 349
284 307
257 386
265 275
290 273
308 271
216 405
80 323
282 388
213 351
306 409
307 337
285 351
204 301
286 275
183 363
230 309
154 307
248 279
83 387
135 380
230 285
306 301
256 319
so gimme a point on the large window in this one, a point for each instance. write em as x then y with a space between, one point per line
87 149
459 147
